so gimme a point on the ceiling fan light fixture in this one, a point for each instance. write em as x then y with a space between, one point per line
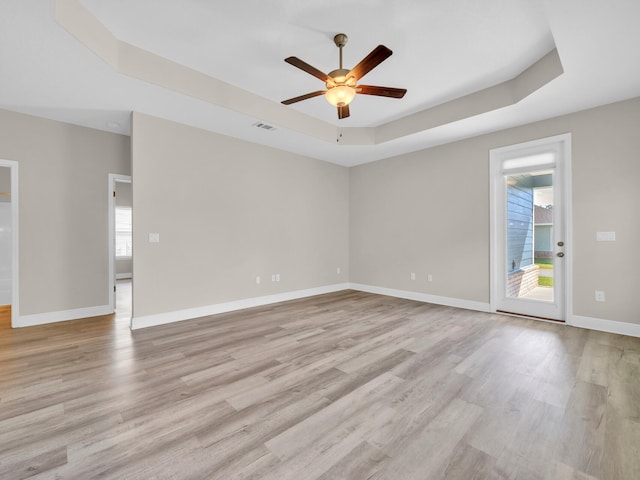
340 95
342 84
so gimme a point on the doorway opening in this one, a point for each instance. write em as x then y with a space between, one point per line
120 246
529 234
8 244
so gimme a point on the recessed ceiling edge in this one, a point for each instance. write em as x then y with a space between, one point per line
146 66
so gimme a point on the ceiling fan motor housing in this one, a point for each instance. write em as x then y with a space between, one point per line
339 77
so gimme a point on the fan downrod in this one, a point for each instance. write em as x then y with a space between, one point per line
340 40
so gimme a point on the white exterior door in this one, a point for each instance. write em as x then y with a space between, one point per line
529 241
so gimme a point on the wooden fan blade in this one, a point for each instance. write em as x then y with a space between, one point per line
343 112
371 61
302 65
381 91
303 97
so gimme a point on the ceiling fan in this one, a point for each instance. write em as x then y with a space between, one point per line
342 84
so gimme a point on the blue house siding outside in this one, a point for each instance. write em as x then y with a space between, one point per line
519 221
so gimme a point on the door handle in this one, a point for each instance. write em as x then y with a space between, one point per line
560 254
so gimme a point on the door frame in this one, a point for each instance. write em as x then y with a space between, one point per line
15 245
113 179
496 157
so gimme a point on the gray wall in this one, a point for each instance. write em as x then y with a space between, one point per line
227 211
124 198
63 209
5 184
428 212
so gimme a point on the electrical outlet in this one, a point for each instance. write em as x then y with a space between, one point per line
338 270
413 276
277 277
258 280
273 277
429 278
599 296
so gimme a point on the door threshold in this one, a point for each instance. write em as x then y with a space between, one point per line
533 317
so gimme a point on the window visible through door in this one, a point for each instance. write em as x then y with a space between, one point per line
124 238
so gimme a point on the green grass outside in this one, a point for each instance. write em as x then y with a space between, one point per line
543 261
545 281
545 266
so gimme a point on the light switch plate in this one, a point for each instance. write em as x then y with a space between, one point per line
154 238
605 236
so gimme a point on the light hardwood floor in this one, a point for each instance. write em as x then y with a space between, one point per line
5 316
341 386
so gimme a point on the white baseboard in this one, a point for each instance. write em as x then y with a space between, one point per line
197 312
122 276
62 316
610 326
423 297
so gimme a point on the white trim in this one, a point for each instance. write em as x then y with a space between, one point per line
123 276
111 187
568 224
496 245
561 144
610 326
423 297
197 312
63 315
15 244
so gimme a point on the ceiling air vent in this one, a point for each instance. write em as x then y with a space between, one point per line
264 126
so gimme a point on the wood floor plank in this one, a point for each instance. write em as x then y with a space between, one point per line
43 462
582 439
427 453
594 363
304 433
347 385
5 316
418 403
331 447
361 463
565 472
469 464
532 442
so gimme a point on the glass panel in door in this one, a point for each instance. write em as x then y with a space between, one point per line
529 232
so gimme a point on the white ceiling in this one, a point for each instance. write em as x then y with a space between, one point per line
443 49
